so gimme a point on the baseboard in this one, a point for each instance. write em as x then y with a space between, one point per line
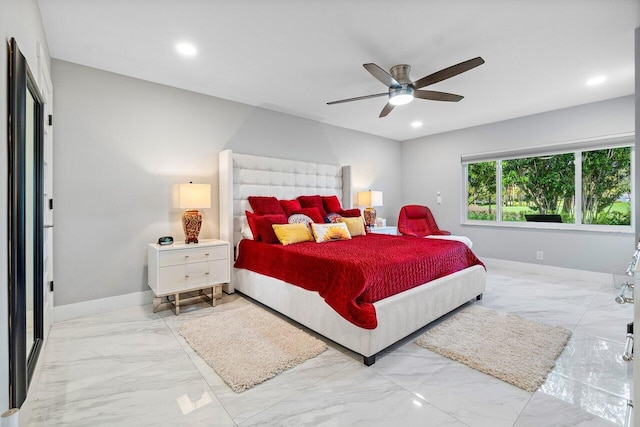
549 270
87 308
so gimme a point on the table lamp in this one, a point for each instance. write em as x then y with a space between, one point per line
370 199
192 197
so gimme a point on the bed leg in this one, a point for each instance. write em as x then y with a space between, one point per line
479 297
369 360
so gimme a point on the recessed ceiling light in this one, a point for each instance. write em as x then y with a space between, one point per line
186 49
596 80
416 124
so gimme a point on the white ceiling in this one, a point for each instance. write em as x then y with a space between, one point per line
294 56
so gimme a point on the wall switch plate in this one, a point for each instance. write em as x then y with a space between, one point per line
539 255
439 200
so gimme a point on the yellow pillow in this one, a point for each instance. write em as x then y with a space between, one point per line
355 225
292 233
330 232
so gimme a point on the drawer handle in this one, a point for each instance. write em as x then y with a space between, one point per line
206 274
186 276
206 254
186 256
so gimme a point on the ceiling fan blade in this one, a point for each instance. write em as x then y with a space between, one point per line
437 96
382 75
358 98
386 110
447 73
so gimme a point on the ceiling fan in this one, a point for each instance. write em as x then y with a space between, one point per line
402 90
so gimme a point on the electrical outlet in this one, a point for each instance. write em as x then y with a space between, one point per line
539 255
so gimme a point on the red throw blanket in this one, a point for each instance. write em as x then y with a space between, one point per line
353 274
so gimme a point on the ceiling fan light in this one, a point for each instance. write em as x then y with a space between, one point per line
400 96
401 99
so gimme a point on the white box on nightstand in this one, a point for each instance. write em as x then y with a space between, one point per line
384 230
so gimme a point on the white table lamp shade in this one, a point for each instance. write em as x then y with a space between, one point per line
192 196
370 198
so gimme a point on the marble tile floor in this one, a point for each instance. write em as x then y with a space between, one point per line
131 368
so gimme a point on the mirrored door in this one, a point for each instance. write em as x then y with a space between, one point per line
25 225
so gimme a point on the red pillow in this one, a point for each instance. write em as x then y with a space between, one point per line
312 213
261 228
331 204
351 213
313 202
262 205
290 206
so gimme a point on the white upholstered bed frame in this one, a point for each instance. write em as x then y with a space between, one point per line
244 175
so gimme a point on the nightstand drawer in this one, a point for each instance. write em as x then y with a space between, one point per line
177 278
192 255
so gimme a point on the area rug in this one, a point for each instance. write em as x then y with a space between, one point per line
506 346
249 345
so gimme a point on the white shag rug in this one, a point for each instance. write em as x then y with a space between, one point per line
249 345
506 346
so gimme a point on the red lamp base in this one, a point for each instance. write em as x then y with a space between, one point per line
191 223
370 216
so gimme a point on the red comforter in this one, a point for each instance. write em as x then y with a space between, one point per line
353 274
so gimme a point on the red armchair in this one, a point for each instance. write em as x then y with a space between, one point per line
416 220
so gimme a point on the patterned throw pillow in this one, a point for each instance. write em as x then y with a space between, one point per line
301 219
330 232
333 218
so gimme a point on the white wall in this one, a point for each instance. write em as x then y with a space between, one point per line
432 164
20 20
121 143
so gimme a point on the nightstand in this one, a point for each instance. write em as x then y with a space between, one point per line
393 231
179 268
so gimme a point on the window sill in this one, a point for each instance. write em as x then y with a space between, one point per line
621 229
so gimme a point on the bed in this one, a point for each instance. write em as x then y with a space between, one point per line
396 316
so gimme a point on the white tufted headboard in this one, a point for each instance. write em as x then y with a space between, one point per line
243 175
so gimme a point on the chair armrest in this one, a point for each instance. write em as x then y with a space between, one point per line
407 233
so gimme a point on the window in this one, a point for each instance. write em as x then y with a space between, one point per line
543 185
585 183
606 186
481 191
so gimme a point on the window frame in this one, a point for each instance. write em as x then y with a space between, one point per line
575 147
